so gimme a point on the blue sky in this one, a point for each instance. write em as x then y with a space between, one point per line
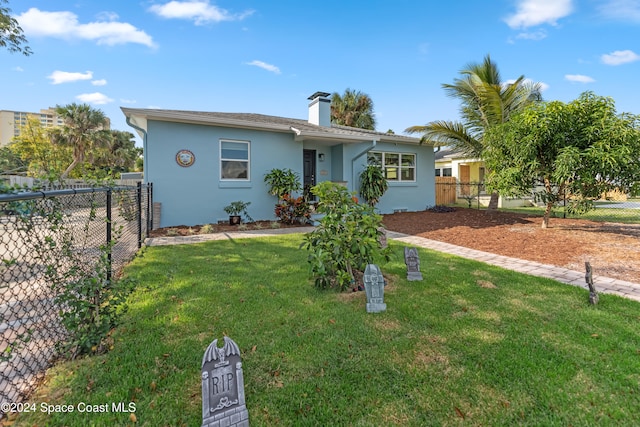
258 56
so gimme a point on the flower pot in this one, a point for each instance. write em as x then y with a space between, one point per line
234 219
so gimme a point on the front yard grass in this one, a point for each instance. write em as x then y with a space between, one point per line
471 344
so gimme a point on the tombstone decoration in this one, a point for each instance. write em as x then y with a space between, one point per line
382 237
593 294
223 401
412 261
374 288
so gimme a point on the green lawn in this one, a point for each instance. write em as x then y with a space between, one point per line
471 344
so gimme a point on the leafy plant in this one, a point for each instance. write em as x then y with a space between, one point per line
373 184
238 208
282 182
347 239
94 301
292 210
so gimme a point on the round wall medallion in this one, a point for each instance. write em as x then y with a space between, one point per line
185 158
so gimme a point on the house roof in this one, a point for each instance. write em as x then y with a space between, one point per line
447 154
302 129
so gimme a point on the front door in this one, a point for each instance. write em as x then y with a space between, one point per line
309 172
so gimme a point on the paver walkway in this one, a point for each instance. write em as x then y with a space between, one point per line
576 278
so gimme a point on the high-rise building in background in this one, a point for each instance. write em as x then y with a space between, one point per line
11 122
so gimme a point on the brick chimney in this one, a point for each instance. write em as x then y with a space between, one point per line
320 109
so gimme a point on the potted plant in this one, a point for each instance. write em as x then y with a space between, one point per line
236 210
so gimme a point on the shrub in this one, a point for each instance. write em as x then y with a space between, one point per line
373 184
291 210
207 229
282 182
347 239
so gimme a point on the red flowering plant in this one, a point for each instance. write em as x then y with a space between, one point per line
292 210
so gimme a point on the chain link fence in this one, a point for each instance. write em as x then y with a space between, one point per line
47 238
611 207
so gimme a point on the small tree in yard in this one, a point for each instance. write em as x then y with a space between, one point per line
346 240
583 148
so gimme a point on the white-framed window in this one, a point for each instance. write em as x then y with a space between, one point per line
399 167
447 171
234 160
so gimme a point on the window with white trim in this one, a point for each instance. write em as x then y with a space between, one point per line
400 167
234 160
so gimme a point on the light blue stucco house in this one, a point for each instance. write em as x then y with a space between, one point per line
199 162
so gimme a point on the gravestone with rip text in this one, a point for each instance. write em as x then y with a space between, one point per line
223 401
412 261
374 288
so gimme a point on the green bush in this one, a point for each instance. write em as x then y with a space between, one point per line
292 210
347 239
373 184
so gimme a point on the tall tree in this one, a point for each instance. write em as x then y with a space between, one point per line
33 146
583 147
119 153
485 101
83 129
11 35
353 108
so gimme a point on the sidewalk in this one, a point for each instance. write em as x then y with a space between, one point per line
603 284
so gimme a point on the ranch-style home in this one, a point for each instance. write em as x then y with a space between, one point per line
199 162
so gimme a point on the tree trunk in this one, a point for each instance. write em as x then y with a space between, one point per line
493 203
66 173
547 213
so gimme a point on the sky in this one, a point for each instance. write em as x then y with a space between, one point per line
269 56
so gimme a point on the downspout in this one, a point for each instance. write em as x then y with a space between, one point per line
353 161
145 165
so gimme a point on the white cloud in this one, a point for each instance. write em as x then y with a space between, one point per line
199 11
94 98
534 35
65 25
578 78
620 57
19 69
100 82
265 66
58 77
624 10
536 12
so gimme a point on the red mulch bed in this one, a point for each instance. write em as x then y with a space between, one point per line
612 249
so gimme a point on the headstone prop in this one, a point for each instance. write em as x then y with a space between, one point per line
412 261
223 401
374 288
593 294
382 237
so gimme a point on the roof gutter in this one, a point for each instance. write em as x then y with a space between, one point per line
353 162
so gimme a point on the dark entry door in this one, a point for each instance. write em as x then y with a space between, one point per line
309 171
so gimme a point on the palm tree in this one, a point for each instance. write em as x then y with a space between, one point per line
83 128
353 108
486 101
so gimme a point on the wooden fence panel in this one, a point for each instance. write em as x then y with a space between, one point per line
445 190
